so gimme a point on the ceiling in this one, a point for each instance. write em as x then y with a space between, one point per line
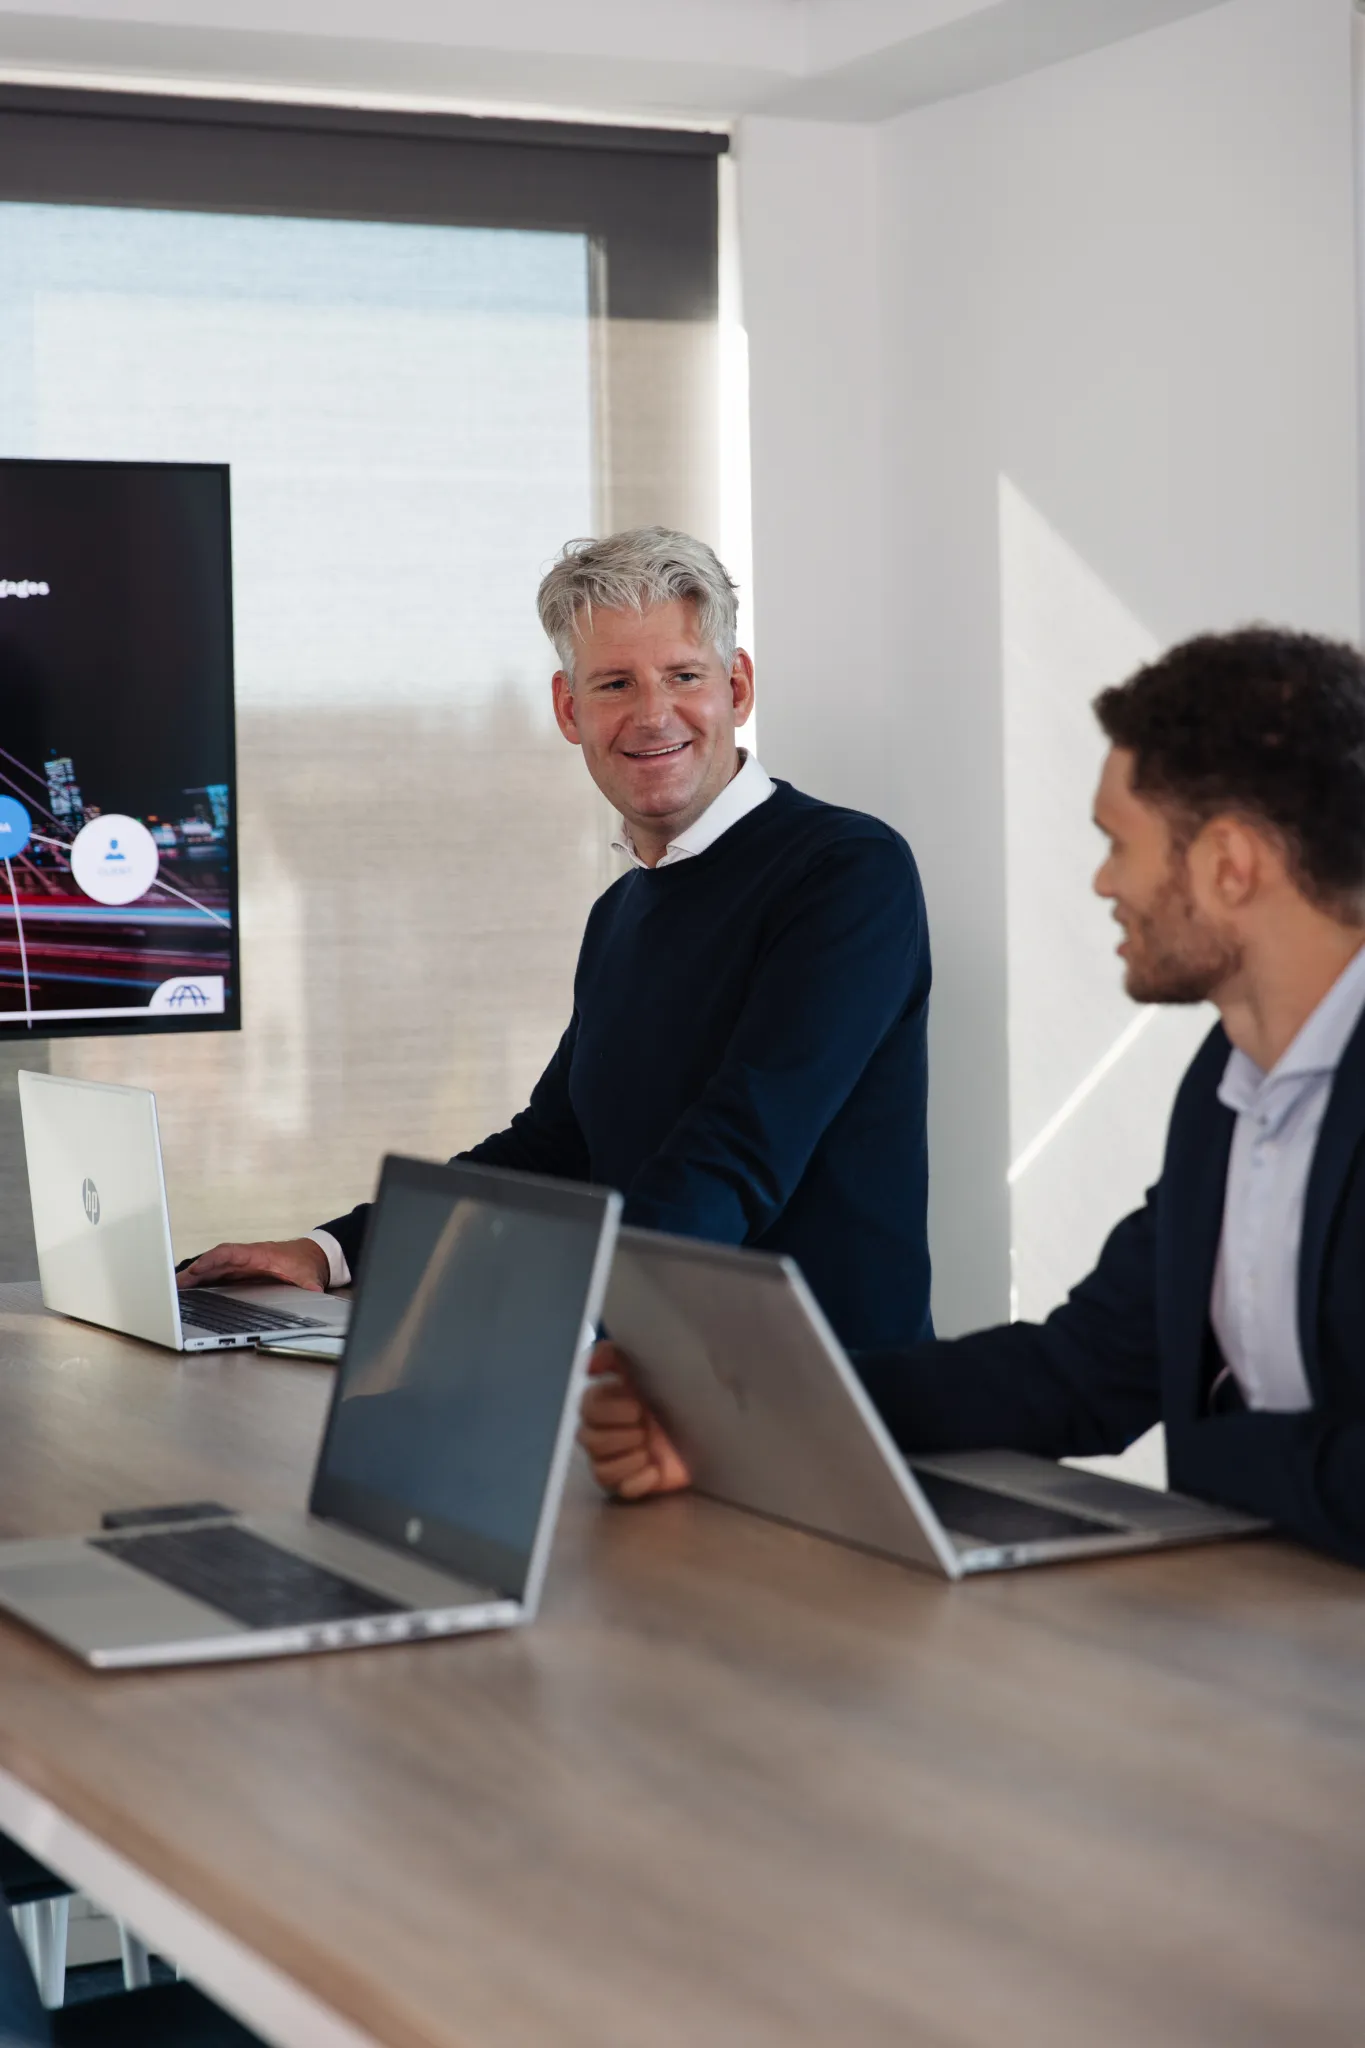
700 60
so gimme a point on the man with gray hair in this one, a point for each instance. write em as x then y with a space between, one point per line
746 1055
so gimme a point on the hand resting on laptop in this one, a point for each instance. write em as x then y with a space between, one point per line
299 1260
630 1455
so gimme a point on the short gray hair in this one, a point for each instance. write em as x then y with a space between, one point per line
646 565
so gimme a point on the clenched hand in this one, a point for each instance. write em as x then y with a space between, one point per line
630 1454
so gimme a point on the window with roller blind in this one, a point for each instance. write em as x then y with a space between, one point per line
431 350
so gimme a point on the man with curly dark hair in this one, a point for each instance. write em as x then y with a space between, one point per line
1232 1305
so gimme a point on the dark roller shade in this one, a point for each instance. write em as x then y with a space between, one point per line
647 196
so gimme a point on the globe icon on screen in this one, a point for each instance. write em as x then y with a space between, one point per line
189 996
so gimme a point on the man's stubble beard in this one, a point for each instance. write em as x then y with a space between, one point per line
1175 956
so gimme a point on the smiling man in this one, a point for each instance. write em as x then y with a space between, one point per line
746 1055
1232 1305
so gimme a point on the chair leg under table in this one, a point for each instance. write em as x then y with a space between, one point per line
137 1962
41 1926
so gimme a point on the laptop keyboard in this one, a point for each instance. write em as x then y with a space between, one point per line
221 1316
997 1517
256 1582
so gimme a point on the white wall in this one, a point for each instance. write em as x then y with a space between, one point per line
866 587
808 234
1076 354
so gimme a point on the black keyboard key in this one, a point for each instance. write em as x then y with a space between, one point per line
220 1316
999 1518
243 1575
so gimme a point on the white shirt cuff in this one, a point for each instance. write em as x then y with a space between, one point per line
338 1272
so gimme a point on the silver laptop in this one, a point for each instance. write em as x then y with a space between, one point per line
103 1229
438 1482
733 1354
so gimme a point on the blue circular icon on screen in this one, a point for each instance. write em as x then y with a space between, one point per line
15 826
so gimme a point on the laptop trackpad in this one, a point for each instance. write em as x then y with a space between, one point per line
65 1579
82 1596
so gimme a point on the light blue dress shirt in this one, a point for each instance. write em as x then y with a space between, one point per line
1279 1115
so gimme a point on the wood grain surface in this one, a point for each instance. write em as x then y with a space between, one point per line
736 1786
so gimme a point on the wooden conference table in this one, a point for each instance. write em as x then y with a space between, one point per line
736 1788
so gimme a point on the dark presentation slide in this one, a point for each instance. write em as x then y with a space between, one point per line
118 893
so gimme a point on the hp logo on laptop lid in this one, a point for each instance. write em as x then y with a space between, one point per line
90 1195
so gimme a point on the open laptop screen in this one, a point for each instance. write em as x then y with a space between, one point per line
448 1420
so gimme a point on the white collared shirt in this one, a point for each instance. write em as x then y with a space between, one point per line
744 792
1279 1115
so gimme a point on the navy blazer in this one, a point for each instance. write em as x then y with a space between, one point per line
1134 1345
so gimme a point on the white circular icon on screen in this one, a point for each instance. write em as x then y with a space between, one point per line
114 859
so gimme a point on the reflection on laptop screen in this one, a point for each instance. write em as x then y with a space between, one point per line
470 1317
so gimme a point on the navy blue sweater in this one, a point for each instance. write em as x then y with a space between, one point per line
746 1059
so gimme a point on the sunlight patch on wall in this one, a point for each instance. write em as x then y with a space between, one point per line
1091 1078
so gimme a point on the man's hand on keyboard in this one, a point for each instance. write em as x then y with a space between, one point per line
630 1454
299 1260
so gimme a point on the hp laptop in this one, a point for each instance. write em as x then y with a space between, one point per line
438 1482
103 1229
732 1353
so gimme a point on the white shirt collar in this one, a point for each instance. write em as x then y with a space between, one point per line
1316 1049
744 792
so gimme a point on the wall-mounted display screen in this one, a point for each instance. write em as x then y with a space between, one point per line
118 874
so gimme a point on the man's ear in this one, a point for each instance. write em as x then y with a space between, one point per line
1233 861
566 710
742 685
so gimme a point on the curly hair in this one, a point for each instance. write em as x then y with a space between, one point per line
1263 723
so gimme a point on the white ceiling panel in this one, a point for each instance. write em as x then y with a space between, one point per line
844 60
